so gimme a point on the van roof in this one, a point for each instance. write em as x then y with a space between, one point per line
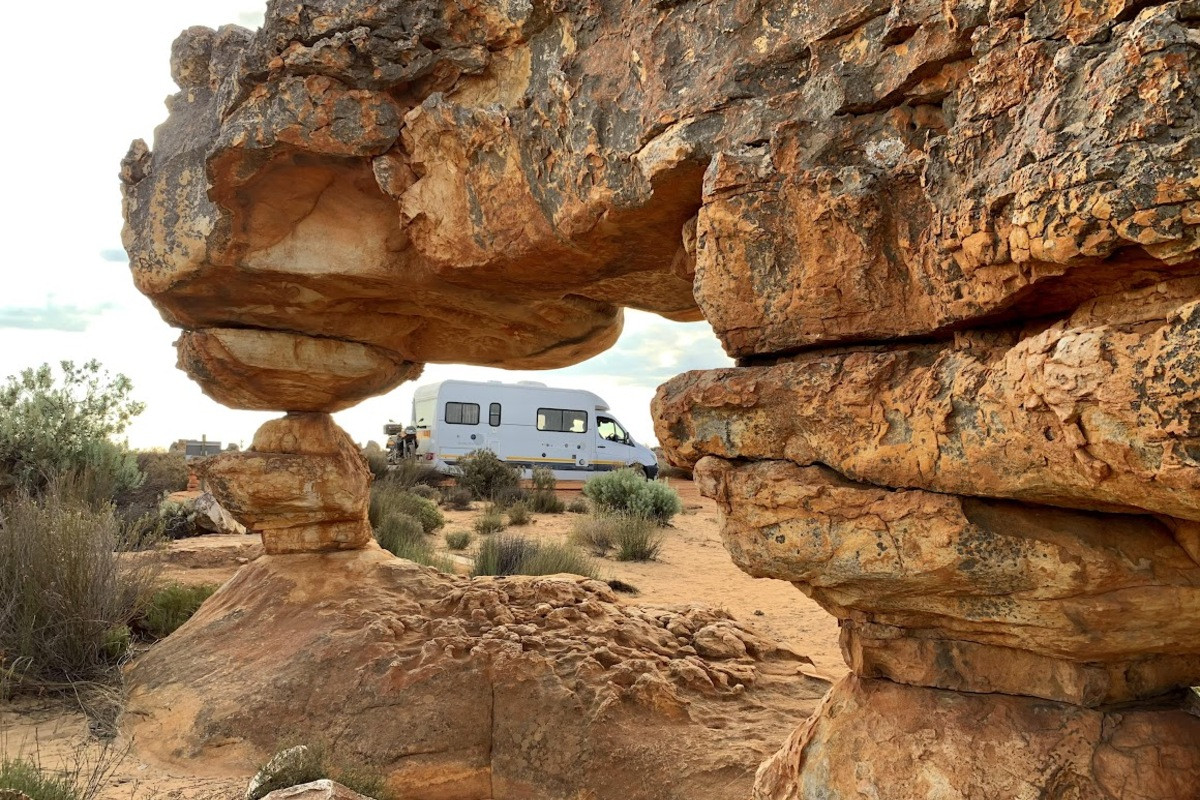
428 390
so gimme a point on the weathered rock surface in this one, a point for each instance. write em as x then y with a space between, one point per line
968 594
268 370
468 688
302 484
880 739
316 790
1096 411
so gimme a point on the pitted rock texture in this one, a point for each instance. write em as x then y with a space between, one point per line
1096 608
906 741
1098 411
303 485
474 689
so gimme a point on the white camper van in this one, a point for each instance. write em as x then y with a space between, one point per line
526 424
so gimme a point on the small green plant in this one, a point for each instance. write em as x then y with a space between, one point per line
489 522
25 777
637 538
517 555
545 501
65 592
388 498
597 535
457 498
486 476
170 607
578 506
519 514
403 537
543 479
314 762
626 492
459 540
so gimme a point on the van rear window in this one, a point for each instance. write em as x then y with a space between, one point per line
562 420
462 413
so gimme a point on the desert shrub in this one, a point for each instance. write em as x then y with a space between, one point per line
597 535
25 777
388 498
516 555
508 496
51 426
486 476
65 595
625 492
636 538
411 472
458 540
457 498
314 762
489 522
578 506
519 514
162 473
377 461
545 501
543 479
426 491
404 537
170 607
176 520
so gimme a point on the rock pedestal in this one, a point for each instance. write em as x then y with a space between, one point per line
303 485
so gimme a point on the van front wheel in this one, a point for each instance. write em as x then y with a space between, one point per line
638 470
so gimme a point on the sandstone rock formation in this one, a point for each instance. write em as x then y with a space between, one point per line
474 689
954 244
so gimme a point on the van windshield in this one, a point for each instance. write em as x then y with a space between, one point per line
423 412
610 429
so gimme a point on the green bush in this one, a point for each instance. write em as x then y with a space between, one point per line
25 777
315 762
65 594
489 522
427 492
544 480
404 537
170 607
519 514
54 426
486 476
625 492
508 496
411 472
578 506
377 461
634 537
388 498
457 498
163 473
516 555
459 540
545 501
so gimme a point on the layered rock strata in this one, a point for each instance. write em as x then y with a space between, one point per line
955 246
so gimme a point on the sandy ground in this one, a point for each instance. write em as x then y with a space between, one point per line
692 567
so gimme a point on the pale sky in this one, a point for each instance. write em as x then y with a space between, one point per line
85 81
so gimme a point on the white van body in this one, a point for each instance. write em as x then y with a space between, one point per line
526 424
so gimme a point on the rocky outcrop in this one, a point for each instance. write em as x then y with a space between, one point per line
955 246
484 688
303 485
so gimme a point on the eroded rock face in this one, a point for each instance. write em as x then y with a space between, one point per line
303 485
476 689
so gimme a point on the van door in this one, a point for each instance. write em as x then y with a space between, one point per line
614 445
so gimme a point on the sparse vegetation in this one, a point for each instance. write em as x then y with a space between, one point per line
544 480
66 599
457 498
25 777
411 472
170 607
597 535
519 514
517 555
388 498
377 460
426 491
404 537
545 501
578 506
315 762
489 522
83 776
633 537
486 476
625 492
459 540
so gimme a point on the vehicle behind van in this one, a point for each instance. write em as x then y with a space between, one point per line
527 425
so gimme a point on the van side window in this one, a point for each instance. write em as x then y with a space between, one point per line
494 415
462 413
561 420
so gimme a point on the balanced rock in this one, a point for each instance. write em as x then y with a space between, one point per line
471 688
302 484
